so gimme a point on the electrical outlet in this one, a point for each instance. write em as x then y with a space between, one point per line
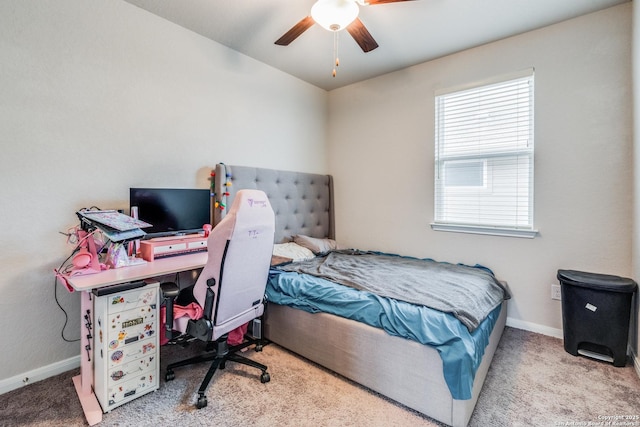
555 292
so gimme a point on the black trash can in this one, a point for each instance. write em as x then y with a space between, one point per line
596 309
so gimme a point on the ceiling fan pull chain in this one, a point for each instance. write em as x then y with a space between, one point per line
335 52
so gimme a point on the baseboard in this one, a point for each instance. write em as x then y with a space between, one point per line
534 327
39 374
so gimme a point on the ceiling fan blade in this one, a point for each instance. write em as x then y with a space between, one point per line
361 35
295 31
371 2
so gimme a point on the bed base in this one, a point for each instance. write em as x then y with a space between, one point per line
377 360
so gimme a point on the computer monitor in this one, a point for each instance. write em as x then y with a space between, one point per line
171 211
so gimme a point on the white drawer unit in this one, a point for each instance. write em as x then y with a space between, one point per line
197 245
125 342
163 247
167 249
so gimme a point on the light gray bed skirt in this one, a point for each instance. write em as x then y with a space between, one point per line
377 360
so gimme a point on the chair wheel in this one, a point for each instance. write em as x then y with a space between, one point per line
265 377
169 376
202 402
258 347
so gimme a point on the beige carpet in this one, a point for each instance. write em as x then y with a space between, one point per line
532 381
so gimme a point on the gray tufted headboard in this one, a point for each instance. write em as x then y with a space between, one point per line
302 202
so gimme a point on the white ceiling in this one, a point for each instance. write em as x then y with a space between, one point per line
408 32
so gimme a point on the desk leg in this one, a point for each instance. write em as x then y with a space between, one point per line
84 382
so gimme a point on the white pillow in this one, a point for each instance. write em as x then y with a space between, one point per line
293 251
315 245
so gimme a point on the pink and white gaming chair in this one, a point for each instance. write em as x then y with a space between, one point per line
231 286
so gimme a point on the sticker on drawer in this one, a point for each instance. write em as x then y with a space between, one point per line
131 369
132 299
126 354
130 326
132 388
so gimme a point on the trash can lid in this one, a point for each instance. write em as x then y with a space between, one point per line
604 282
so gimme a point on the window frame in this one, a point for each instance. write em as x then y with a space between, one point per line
440 223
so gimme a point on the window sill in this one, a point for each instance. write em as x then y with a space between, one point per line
492 231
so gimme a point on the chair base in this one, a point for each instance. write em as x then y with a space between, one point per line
219 356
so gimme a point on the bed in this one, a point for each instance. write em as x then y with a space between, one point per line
392 364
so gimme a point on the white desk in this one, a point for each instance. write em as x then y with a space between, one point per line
84 382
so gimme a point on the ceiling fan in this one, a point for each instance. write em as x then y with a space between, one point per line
336 15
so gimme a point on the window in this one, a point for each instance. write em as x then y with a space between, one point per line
484 158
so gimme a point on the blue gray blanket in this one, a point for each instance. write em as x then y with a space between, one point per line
468 293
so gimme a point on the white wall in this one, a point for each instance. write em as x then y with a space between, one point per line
96 97
381 148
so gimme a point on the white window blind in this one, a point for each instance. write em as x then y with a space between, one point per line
484 158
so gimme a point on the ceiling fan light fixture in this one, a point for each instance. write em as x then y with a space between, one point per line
334 15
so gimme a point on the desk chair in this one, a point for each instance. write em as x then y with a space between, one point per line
230 288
